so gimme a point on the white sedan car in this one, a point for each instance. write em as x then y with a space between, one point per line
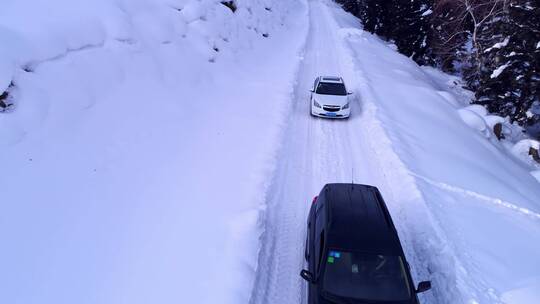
329 98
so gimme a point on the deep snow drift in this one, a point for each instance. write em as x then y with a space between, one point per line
135 160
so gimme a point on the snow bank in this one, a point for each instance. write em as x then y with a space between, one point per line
475 229
475 121
135 162
522 150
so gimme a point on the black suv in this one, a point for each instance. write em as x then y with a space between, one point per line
353 251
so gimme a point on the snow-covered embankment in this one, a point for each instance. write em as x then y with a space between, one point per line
135 156
475 228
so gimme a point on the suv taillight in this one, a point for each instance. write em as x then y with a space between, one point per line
314 199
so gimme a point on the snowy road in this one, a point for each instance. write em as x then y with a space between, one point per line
405 137
318 151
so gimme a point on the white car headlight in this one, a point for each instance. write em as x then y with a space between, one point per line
345 107
316 104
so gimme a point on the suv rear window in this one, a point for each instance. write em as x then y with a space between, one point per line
363 276
328 88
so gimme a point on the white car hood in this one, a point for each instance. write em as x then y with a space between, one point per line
331 100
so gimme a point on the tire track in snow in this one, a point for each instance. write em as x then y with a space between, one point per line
480 197
310 157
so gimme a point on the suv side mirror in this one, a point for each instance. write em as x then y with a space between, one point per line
423 286
308 276
312 90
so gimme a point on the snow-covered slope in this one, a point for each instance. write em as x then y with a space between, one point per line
484 205
134 162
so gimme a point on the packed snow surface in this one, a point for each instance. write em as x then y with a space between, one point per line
161 151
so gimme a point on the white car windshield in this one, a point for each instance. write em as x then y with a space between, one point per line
328 88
